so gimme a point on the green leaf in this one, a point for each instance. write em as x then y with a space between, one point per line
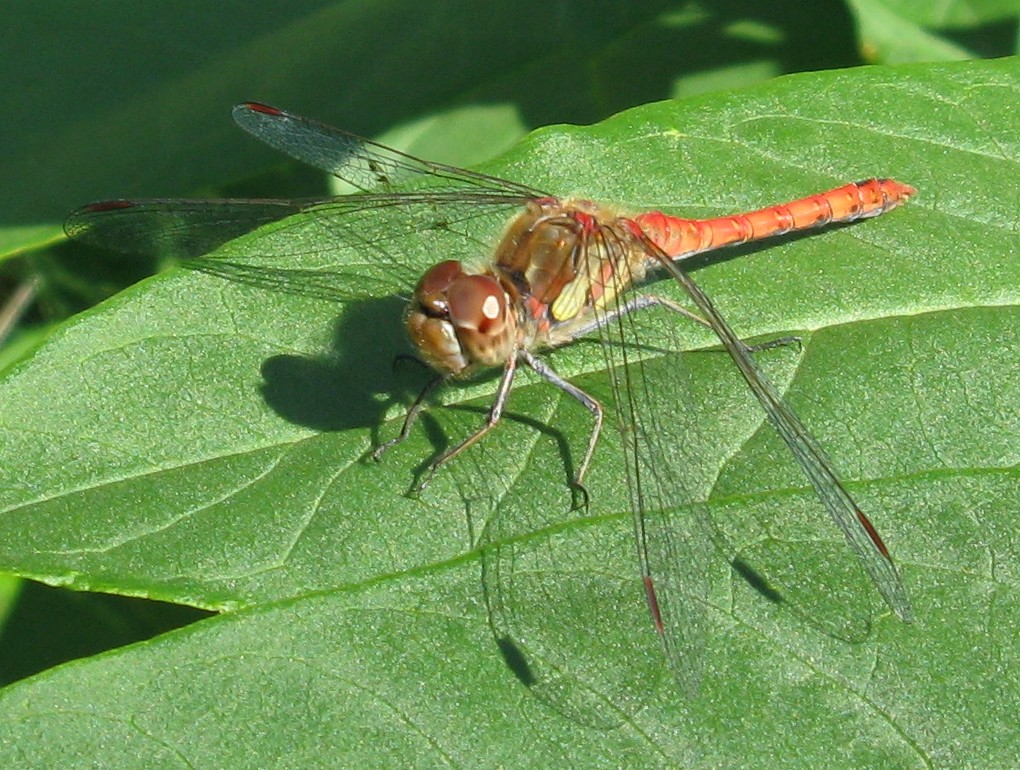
894 31
204 442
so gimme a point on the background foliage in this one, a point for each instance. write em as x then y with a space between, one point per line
199 443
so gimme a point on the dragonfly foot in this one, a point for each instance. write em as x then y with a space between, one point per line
779 342
582 500
425 479
383 448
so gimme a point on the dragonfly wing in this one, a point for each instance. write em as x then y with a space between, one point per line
367 165
673 529
349 239
452 217
557 619
193 231
172 227
858 530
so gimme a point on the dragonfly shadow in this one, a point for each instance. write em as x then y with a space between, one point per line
847 619
350 386
367 371
516 661
757 581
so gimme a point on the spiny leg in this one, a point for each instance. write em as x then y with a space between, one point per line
493 418
412 414
541 368
644 301
633 304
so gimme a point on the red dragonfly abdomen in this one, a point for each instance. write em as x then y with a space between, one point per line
857 200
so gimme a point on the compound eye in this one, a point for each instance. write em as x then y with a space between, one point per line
435 284
477 302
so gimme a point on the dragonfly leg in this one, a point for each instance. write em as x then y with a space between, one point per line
633 304
493 418
412 414
590 403
643 301
653 301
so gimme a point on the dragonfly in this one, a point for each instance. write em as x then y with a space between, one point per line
562 269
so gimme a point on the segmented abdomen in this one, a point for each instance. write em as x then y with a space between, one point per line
857 200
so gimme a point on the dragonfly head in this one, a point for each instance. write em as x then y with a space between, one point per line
460 321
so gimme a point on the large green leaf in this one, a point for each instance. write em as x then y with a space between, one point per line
204 442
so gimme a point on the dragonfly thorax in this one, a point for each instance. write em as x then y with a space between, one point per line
460 321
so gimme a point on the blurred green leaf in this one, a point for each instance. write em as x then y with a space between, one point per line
135 94
136 98
204 442
895 31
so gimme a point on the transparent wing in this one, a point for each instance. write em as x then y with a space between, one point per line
173 227
856 527
447 208
367 165
666 479
572 650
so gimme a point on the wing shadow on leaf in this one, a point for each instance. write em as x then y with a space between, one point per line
556 621
827 592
